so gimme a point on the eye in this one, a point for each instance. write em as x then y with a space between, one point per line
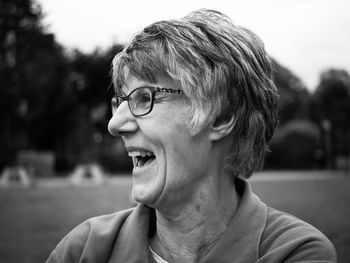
144 98
141 98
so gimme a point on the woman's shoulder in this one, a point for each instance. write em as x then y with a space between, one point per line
100 225
288 236
99 231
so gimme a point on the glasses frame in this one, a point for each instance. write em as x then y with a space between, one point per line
117 100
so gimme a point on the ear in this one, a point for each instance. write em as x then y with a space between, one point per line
221 128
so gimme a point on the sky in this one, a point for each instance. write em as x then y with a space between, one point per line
306 36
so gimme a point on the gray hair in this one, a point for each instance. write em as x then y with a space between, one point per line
224 71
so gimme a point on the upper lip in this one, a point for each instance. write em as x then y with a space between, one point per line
134 148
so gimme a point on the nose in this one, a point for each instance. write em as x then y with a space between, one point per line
122 121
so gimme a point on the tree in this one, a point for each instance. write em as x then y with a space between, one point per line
296 141
294 97
331 110
18 19
32 77
91 79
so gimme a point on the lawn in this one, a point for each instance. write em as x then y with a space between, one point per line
33 220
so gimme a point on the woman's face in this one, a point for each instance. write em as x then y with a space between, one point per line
169 161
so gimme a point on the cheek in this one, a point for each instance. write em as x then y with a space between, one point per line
185 156
171 127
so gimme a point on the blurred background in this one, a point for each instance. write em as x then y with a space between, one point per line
55 90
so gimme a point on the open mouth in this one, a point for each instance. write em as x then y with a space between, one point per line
141 158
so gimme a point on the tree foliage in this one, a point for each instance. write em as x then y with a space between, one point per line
331 100
331 105
32 75
296 141
49 100
93 82
294 97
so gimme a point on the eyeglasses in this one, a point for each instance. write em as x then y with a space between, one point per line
140 100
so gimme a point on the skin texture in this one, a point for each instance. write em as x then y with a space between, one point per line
187 183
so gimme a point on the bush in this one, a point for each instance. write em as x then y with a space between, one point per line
294 146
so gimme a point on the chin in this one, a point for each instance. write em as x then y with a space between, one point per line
148 187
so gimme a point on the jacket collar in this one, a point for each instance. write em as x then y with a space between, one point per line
240 242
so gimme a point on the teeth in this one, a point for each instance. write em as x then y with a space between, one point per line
140 153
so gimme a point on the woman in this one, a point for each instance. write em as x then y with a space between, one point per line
195 106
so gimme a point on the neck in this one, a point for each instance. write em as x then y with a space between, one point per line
187 233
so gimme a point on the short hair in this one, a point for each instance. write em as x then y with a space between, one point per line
223 69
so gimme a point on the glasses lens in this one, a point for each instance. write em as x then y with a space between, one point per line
140 101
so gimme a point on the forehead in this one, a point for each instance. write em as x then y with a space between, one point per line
132 82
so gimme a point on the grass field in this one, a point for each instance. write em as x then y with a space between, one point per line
33 220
